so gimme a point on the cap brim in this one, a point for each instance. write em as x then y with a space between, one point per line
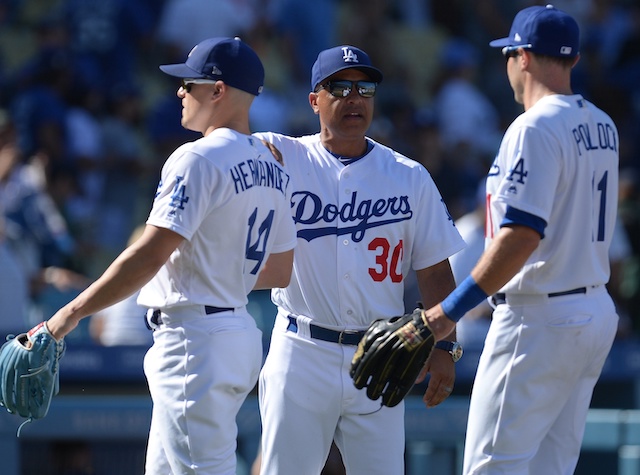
501 42
181 71
374 73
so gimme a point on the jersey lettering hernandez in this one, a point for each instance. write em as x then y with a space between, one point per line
362 228
229 198
558 161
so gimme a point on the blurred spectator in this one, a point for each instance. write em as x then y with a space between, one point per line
303 34
32 224
620 253
122 323
486 20
106 36
14 288
162 123
279 107
473 327
620 48
469 123
38 103
35 243
14 291
369 24
130 172
270 111
629 216
184 23
85 150
456 182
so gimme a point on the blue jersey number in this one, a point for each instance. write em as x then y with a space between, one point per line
256 250
602 188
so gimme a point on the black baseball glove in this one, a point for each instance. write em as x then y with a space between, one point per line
29 366
391 355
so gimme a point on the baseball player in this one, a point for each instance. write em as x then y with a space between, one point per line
220 215
366 216
551 209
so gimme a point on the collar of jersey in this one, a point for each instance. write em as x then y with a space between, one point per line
348 160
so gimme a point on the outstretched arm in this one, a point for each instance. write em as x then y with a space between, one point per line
133 268
503 259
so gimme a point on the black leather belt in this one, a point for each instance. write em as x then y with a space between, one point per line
500 299
156 316
208 309
345 337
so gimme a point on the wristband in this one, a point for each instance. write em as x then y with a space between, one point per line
464 297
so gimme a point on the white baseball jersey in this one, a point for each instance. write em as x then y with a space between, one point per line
224 207
359 230
558 161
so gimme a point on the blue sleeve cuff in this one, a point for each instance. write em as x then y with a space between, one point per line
465 297
516 216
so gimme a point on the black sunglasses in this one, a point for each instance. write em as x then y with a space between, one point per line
512 51
343 88
187 83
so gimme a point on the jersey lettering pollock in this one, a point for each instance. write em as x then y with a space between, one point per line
558 162
605 137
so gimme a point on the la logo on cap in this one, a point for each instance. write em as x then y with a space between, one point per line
349 56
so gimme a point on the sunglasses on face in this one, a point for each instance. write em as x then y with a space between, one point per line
344 88
187 83
512 51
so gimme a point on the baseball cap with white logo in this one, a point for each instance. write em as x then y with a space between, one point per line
225 59
544 30
339 58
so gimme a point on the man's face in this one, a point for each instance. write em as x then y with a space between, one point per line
514 74
195 116
346 116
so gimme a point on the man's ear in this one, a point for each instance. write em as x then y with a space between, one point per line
218 89
313 102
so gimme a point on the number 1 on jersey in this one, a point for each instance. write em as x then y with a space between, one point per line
602 205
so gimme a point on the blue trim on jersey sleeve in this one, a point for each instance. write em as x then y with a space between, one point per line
516 216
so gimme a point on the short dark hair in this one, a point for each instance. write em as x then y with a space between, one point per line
562 61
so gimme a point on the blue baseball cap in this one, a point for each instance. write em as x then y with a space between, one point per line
339 58
543 30
226 59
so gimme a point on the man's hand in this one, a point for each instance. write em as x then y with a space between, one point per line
438 322
443 374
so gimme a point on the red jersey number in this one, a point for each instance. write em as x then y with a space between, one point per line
386 266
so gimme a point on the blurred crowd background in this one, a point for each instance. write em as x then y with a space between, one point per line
87 119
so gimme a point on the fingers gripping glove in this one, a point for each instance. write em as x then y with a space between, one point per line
29 365
390 356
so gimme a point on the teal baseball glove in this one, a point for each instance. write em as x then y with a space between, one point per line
29 365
